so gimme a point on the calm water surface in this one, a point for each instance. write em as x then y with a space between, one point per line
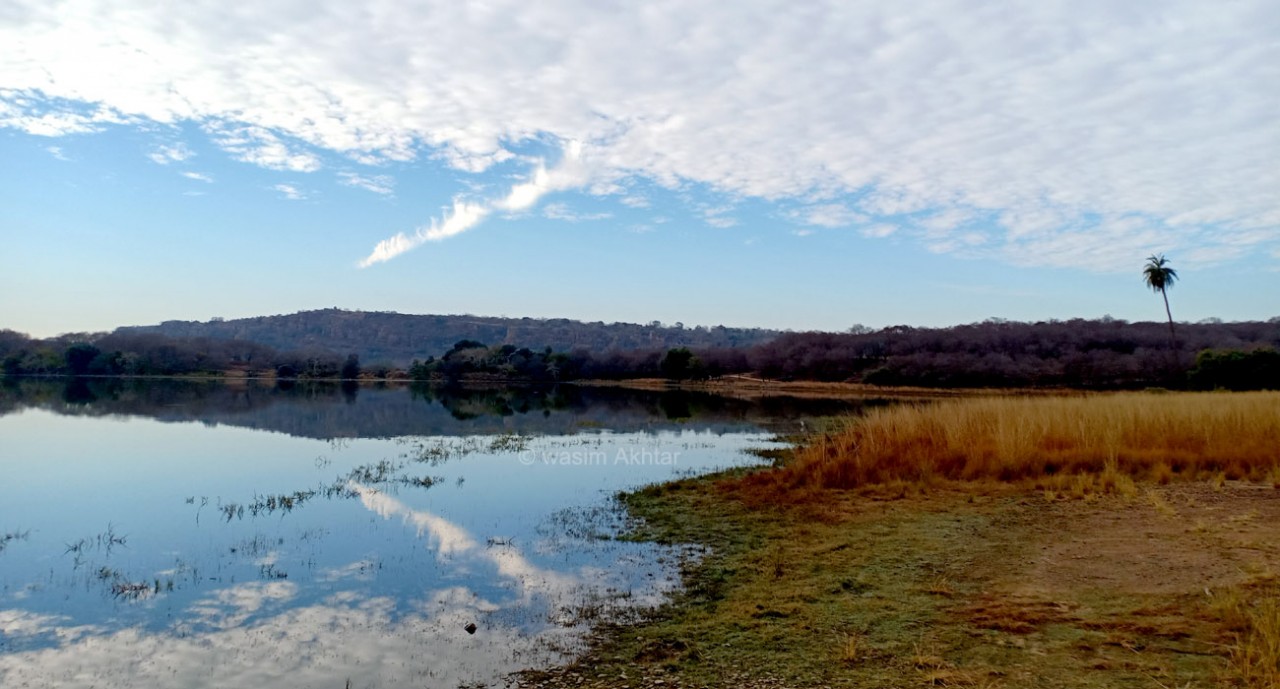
207 535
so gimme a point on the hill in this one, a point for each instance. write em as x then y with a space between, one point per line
395 338
1095 354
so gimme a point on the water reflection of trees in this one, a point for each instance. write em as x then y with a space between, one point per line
325 410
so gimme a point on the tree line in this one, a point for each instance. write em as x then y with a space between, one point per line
1095 354
397 339
146 354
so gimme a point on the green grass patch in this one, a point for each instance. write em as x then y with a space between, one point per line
854 591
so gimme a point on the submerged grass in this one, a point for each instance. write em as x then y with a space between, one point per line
1110 437
9 536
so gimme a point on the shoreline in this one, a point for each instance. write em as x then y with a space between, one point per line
748 387
736 386
1098 574
981 585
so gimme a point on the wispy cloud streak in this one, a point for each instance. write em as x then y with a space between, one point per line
466 215
462 217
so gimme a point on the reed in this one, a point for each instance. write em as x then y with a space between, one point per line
1110 438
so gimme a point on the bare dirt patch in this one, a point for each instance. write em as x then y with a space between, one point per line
1170 540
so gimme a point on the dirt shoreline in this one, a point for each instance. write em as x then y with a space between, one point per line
747 387
964 586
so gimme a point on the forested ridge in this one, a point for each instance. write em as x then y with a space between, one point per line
397 339
1093 354
1099 353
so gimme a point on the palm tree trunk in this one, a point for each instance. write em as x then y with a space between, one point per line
1173 336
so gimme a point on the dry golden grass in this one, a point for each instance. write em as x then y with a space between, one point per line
849 649
1069 445
1252 616
1256 655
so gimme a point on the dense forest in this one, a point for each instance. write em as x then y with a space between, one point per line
396 339
1105 353
1092 354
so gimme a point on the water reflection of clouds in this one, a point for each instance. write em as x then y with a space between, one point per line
360 570
20 623
454 543
247 635
315 645
376 588
232 607
545 595
445 536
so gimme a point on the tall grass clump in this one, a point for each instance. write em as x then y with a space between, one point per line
1255 656
1148 435
1251 617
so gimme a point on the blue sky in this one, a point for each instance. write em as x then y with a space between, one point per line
789 165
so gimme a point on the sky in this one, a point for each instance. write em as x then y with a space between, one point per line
797 165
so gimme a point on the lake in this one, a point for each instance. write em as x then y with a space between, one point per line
191 534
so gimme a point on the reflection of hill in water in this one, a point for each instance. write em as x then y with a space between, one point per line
328 410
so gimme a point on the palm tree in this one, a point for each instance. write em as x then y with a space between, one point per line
1160 277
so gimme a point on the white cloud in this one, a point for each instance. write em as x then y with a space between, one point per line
525 194
262 147
828 215
197 176
560 211
1057 120
378 184
462 217
569 173
49 124
28 110
718 216
945 221
878 231
290 192
57 152
175 153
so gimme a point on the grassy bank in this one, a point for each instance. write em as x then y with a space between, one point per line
923 581
1173 587
1158 436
